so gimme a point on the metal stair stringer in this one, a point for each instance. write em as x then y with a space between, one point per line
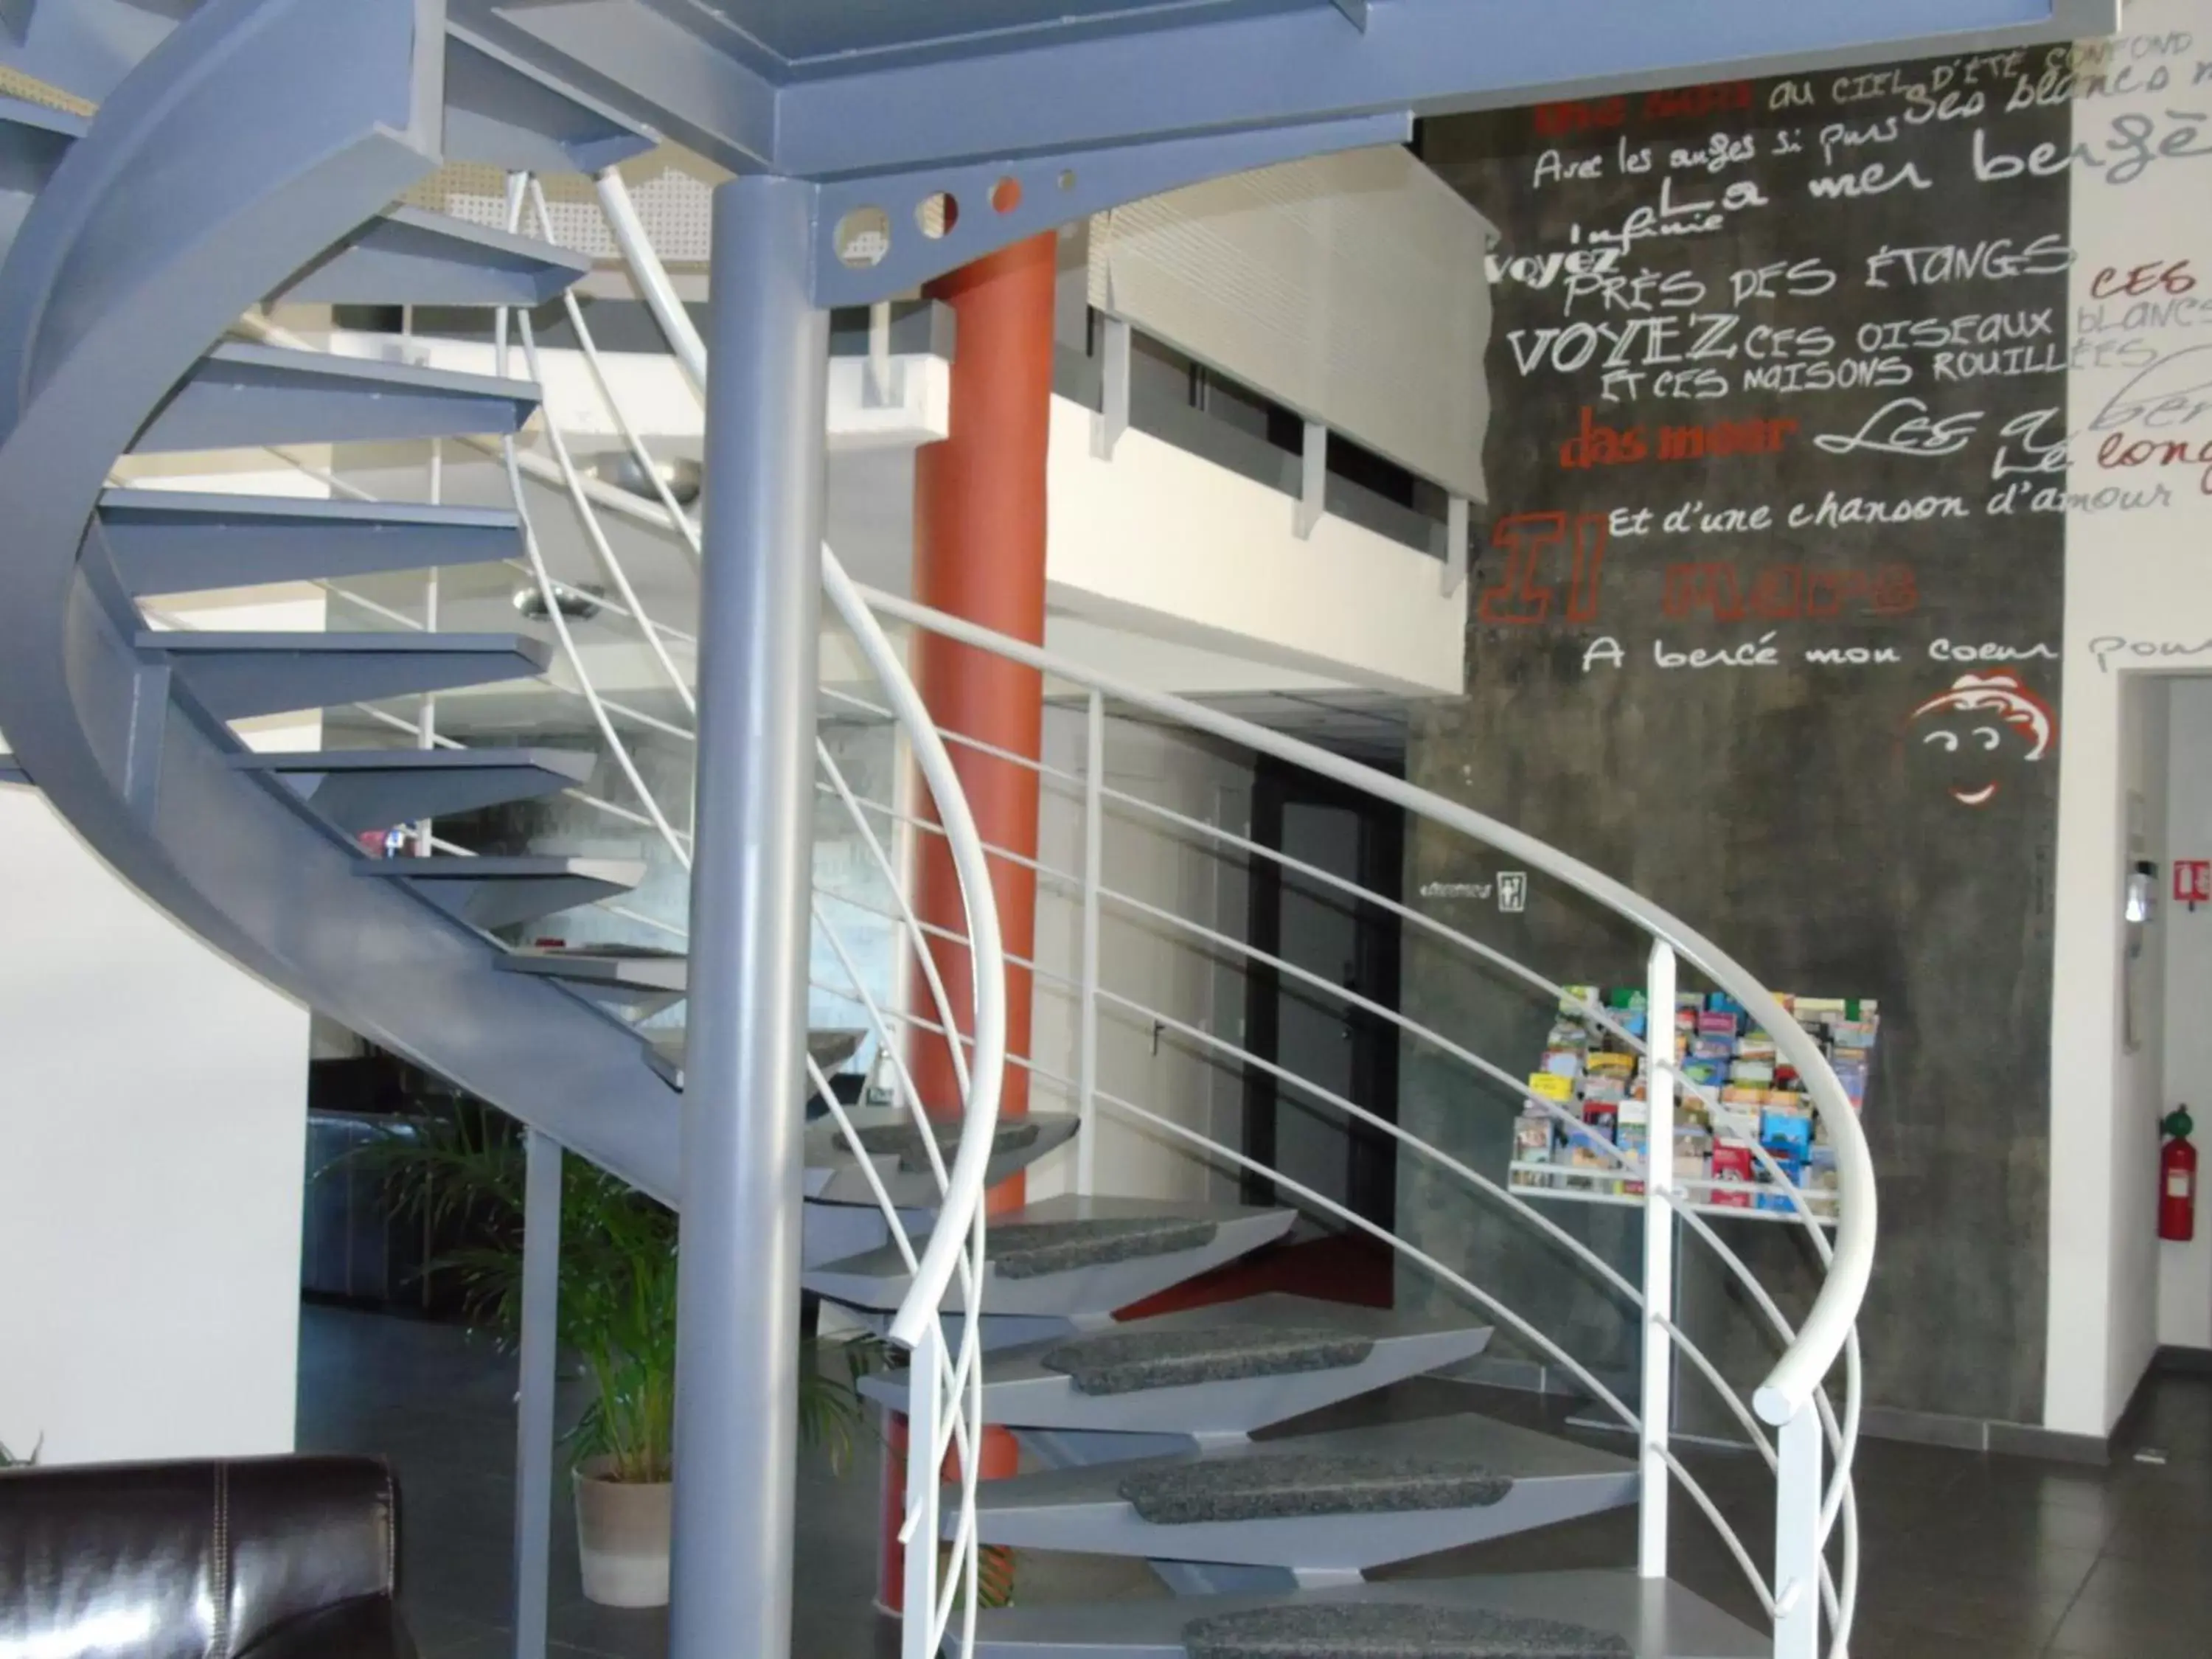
260 134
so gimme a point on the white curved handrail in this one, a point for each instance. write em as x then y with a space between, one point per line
1790 1386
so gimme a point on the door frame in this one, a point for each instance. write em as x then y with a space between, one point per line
1371 1179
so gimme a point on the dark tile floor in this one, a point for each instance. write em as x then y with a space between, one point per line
1967 1556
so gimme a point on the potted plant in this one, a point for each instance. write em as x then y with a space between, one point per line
462 1173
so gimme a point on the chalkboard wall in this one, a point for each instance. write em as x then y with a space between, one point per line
1766 624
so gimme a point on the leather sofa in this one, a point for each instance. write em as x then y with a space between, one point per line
274 1558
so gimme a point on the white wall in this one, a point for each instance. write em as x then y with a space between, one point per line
2184 1271
2137 599
1163 968
153 1127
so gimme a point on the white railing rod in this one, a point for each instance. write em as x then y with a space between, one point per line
595 533
1828 1326
1094 854
1506 1195
1658 1362
590 346
1473 1292
1057 775
651 277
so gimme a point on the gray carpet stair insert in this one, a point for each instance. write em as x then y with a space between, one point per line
1371 1631
1131 1362
1030 1249
904 1138
1271 1486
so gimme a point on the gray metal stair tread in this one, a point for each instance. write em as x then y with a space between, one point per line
637 966
1466 1439
905 1140
1134 1361
1654 1617
239 676
831 1047
1162 1242
1020 1389
359 789
1030 1249
505 891
901 1166
170 541
243 395
38 117
501 112
1288 1479
413 256
1393 1631
11 770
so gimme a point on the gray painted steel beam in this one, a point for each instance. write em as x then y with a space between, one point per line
358 789
85 47
737 1350
503 113
11 770
1302 65
1046 191
410 257
240 396
500 892
537 1362
239 676
180 541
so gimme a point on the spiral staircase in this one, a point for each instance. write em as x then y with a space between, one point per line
176 169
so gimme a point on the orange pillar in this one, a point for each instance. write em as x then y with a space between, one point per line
979 553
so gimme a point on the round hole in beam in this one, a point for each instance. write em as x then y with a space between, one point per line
863 237
935 214
1067 179
1006 194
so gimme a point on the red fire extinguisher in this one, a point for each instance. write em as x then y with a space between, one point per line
2177 1180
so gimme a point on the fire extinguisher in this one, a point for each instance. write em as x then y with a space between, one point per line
2177 1180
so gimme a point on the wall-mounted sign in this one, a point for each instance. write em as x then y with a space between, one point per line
1512 891
2192 881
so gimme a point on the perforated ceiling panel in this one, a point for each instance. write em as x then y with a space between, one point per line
1351 288
674 191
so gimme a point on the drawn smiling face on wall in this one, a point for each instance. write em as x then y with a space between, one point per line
1980 728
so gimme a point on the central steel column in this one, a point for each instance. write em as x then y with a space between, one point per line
737 1355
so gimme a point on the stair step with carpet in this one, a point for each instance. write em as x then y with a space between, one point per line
1345 1501
901 1159
411 257
1552 1615
239 675
245 396
500 892
1070 1257
178 541
1221 1371
359 789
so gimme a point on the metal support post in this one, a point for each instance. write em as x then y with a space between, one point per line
1658 1409
1114 368
1094 828
737 1356
534 1415
1313 481
1797 1538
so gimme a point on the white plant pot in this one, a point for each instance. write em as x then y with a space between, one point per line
622 1533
